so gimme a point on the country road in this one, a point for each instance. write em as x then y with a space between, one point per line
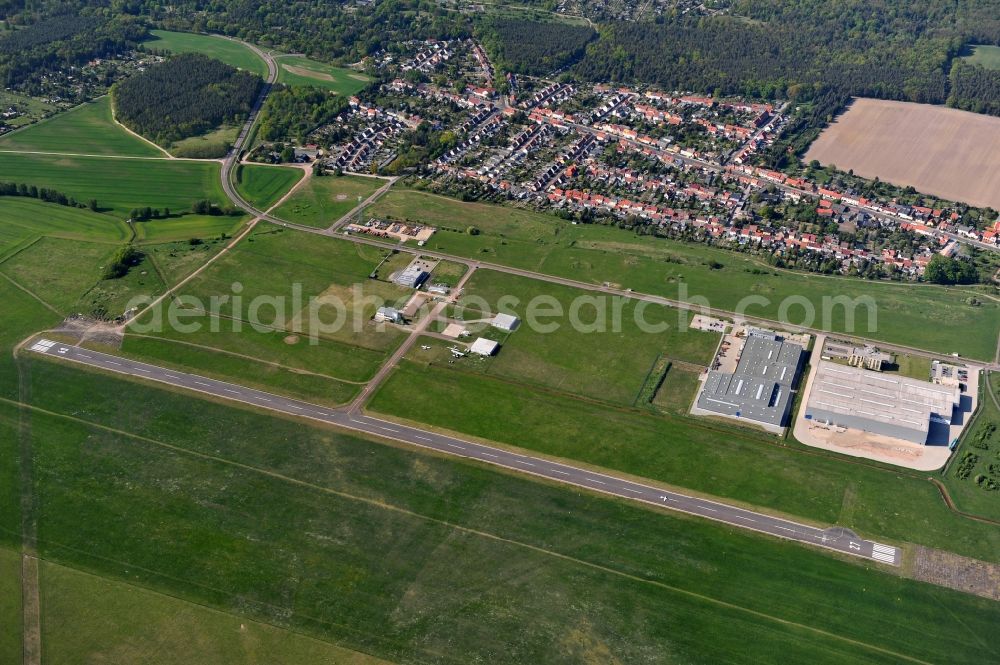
837 539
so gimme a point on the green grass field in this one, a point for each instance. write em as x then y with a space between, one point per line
119 185
226 50
987 56
262 185
185 227
87 129
713 458
24 218
10 606
88 619
271 266
322 201
977 462
923 316
677 392
220 139
295 70
413 557
596 348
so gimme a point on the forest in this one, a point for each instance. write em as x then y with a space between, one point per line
974 88
294 112
187 95
61 41
532 47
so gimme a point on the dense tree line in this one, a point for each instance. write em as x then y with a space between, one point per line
42 194
187 95
294 112
974 88
63 41
946 270
531 47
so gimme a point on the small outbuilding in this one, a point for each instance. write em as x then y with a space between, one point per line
388 315
484 347
507 322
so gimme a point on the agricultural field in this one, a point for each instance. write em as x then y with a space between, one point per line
985 55
717 459
923 316
25 218
89 619
295 70
262 186
120 185
973 475
423 555
607 356
277 347
228 51
185 227
323 200
946 152
88 129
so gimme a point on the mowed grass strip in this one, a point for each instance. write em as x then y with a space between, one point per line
923 316
119 185
323 200
88 619
248 371
595 345
714 459
296 70
228 51
22 217
11 614
87 129
415 557
262 185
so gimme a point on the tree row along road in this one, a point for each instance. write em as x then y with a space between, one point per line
835 538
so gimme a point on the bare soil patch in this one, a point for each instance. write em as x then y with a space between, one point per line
949 153
957 572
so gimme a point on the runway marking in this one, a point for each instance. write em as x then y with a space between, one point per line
561 473
263 399
387 429
599 482
525 463
139 369
201 383
711 510
455 445
111 362
84 355
629 489
487 454
887 558
235 392
422 438
783 528
292 406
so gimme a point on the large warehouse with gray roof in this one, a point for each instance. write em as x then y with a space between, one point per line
760 389
895 406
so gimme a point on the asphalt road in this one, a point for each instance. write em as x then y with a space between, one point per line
835 538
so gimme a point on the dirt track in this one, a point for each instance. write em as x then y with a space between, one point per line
941 151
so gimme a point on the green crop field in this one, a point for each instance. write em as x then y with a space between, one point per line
412 557
923 316
24 218
283 272
262 186
987 56
322 201
10 606
226 50
708 457
599 346
86 129
298 70
88 619
219 139
119 185
59 271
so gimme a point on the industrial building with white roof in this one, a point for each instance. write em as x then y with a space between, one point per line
894 406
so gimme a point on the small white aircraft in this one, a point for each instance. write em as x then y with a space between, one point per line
425 347
455 352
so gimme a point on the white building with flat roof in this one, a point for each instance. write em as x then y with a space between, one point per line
894 406
506 322
484 347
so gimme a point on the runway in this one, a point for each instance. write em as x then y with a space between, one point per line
833 538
